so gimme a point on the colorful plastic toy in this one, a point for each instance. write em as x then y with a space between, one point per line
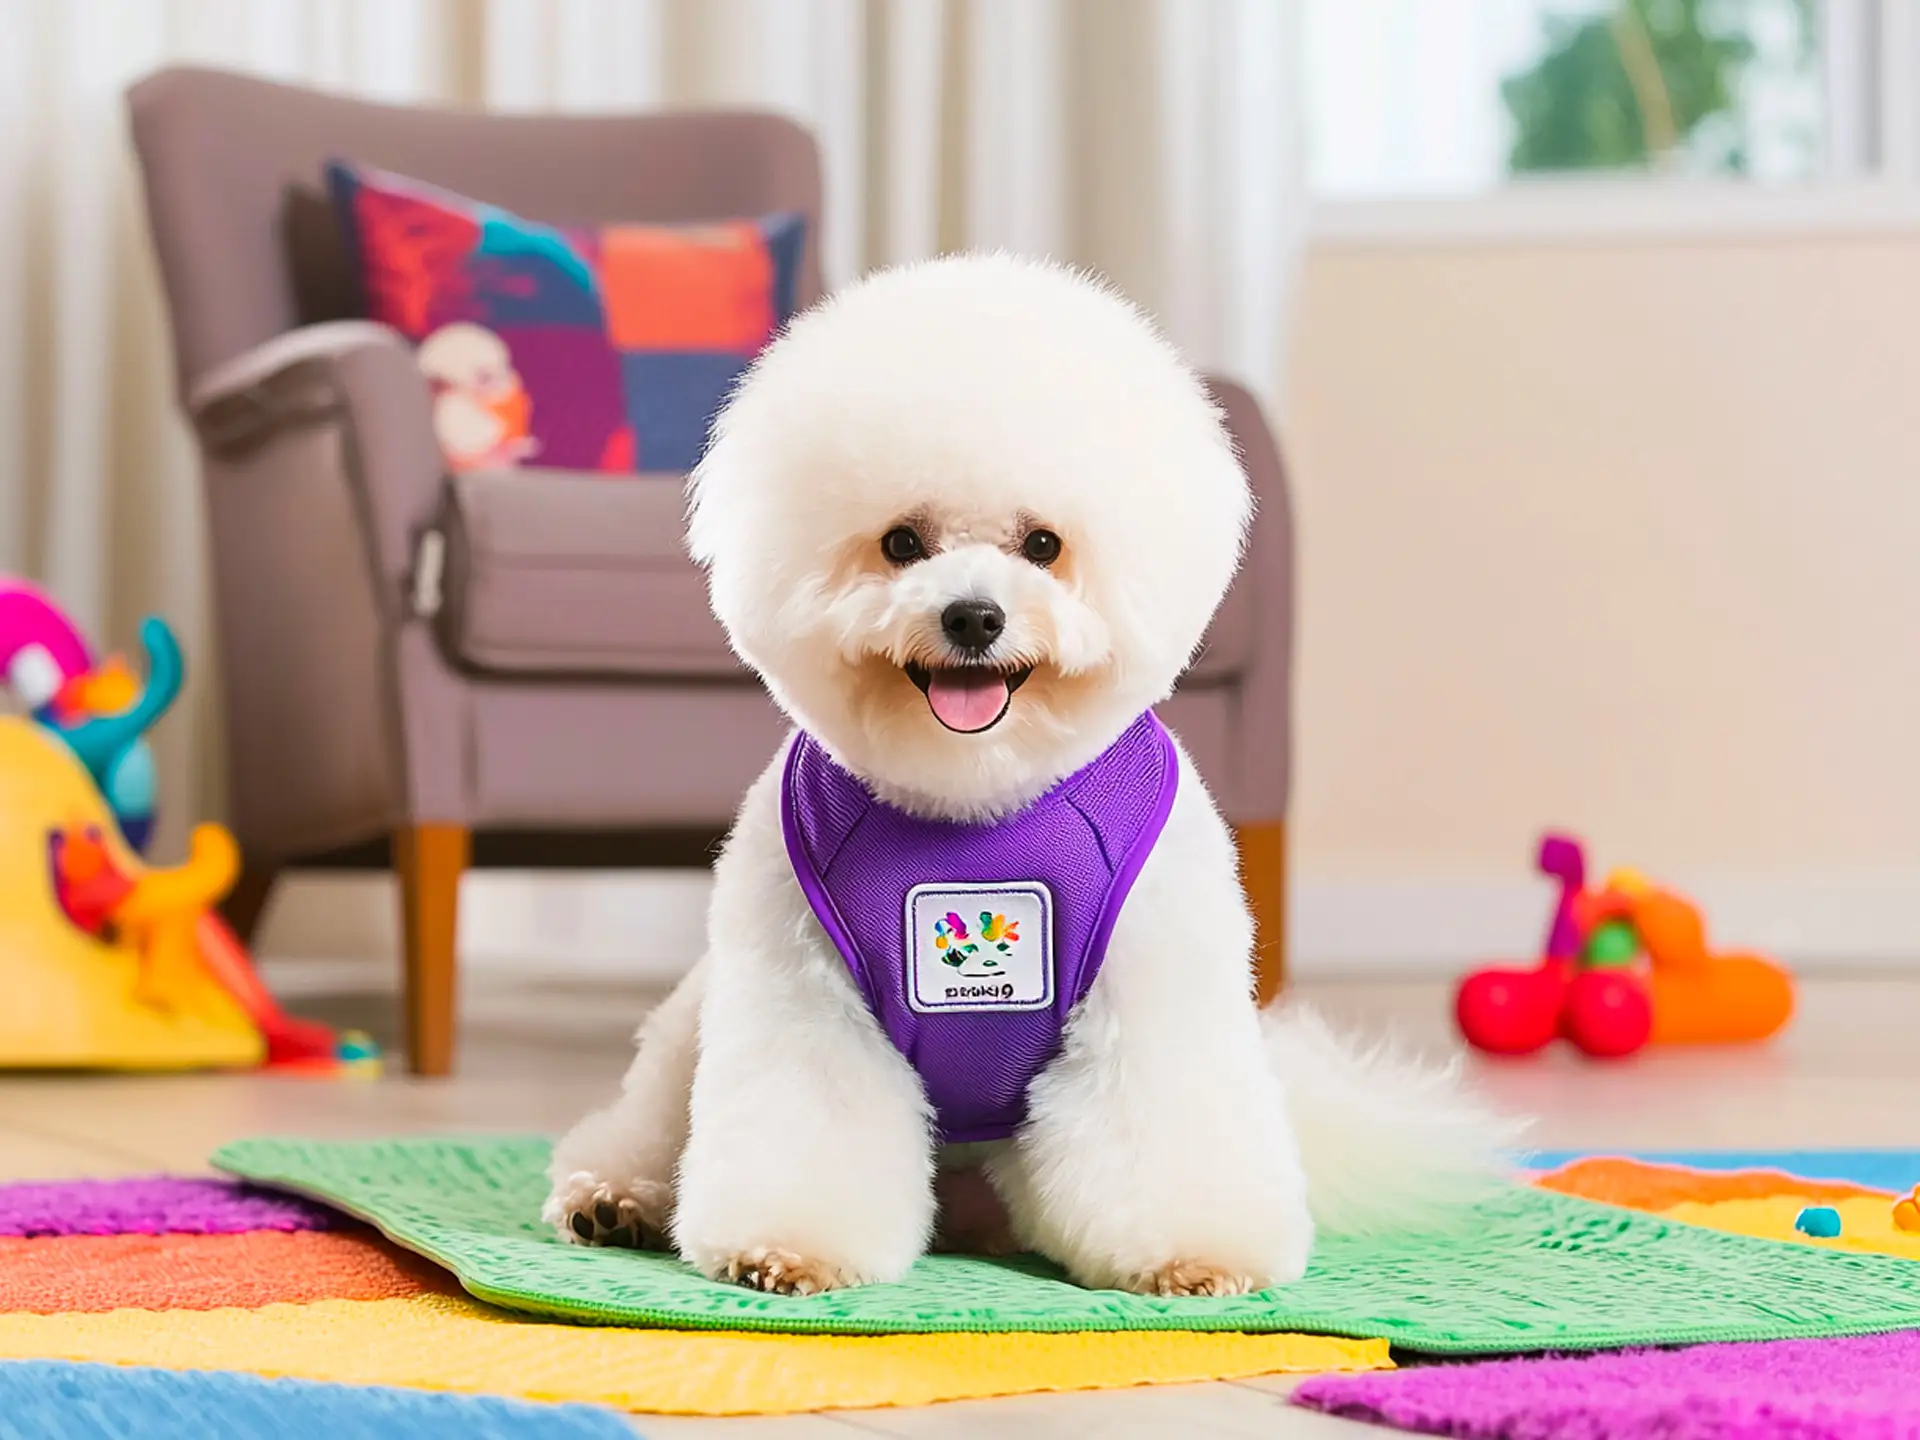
158 912
291 1044
1906 1211
102 715
1822 1222
168 918
98 709
110 962
1623 966
79 992
40 649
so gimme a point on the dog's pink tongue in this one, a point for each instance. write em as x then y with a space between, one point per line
967 700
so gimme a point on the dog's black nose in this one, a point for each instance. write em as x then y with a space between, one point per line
972 625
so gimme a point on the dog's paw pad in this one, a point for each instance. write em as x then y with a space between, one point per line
1190 1277
780 1272
588 1213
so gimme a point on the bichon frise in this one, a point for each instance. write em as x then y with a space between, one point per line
969 521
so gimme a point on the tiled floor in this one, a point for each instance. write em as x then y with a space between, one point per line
533 1060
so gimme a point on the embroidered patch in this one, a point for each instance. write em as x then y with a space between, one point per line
980 947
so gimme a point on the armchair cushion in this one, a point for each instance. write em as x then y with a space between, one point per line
605 349
571 576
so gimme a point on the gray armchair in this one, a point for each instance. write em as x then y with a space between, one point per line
432 673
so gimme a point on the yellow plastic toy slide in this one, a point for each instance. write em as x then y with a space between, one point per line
135 1000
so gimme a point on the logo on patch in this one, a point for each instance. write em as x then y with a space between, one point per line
980 947
972 956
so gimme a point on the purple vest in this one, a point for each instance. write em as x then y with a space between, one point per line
973 942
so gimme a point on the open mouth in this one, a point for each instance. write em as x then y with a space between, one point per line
967 698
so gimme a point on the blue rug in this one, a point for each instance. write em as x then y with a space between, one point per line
1895 1170
55 1400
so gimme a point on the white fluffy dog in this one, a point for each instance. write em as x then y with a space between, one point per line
969 520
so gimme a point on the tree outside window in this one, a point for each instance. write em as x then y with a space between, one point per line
1661 83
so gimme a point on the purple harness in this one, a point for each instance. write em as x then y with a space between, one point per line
973 942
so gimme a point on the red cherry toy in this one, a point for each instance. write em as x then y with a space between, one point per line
1508 1011
1512 1012
1609 1013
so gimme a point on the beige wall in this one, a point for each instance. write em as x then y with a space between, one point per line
1623 537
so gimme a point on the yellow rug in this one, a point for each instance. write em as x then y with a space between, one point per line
442 1342
1866 1221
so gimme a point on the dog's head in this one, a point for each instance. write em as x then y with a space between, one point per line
968 520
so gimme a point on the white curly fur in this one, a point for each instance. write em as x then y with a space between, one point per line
1180 1142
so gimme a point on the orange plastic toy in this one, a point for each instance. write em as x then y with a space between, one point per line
168 920
1906 1211
1624 965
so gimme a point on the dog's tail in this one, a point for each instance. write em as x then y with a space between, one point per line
1388 1143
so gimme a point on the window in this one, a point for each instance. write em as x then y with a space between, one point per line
1410 98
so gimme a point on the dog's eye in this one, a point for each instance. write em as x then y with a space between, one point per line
903 545
1042 547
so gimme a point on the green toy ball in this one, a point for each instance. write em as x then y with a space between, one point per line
1613 943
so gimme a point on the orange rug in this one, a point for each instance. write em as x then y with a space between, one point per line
68 1273
1638 1185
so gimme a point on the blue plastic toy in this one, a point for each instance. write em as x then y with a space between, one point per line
1822 1222
103 715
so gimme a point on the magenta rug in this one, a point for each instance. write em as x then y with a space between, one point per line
1857 1389
154 1205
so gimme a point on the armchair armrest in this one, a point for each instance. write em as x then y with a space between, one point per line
352 374
321 466
240 376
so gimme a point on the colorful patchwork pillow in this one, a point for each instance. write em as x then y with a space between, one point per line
603 349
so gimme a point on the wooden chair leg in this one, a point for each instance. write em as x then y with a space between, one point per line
429 860
246 904
1263 873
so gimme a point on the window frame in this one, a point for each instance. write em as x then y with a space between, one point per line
1870 57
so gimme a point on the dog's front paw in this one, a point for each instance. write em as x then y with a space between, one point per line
781 1272
588 1211
1189 1277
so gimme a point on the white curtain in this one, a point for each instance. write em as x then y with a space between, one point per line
99 495
1154 140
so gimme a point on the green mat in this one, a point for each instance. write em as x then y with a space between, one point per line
1535 1271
